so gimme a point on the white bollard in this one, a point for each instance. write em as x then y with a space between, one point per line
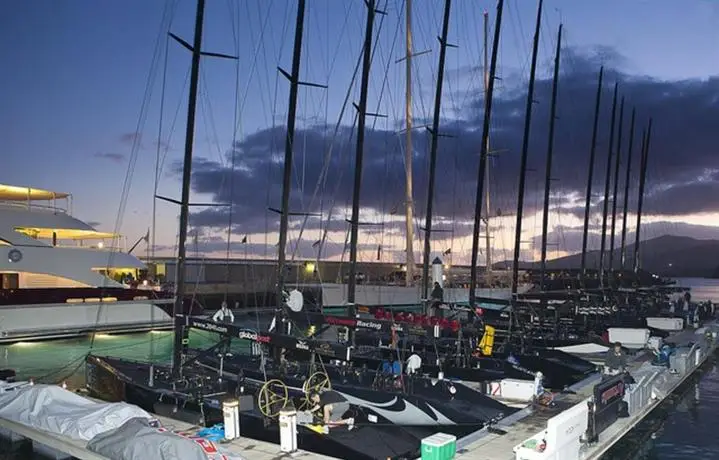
222 367
231 414
288 430
438 271
538 384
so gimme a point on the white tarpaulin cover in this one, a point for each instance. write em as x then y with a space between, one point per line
136 439
51 408
115 430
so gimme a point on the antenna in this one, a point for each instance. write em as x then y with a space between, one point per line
606 186
359 156
642 181
525 151
523 167
550 154
434 132
284 210
484 152
626 189
617 164
592 154
181 341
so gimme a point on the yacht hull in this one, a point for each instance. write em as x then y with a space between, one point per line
119 380
335 295
63 320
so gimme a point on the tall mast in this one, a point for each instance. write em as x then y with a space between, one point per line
606 186
487 235
433 149
592 154
525 150
361 120
484 152
642 180
181 330
289 146
409 153
617 164
626 189
550 153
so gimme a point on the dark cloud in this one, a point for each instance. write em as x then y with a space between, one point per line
687 198
681 178
134 139
304 248
130 138
112 156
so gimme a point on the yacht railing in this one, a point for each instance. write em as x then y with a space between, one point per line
115 247
32 205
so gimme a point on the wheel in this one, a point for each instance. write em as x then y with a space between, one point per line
272 398
317 382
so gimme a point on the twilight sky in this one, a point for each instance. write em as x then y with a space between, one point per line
76 116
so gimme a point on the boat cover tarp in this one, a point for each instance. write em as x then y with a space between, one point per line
136 439
54 409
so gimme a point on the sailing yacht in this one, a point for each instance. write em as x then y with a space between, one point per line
375 295
58 278
378 295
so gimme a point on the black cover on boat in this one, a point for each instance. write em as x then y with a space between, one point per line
7 375
372 442
366 441
580 365
137 440
428 399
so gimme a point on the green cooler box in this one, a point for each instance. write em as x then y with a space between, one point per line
439 446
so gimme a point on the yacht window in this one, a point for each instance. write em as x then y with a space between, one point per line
9 281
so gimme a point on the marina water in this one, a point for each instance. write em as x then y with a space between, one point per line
680 428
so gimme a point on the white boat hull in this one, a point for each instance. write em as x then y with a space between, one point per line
583 348
335 295
54 321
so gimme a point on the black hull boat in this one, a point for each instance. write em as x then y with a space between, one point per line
198 400
435 339
560 369
406 400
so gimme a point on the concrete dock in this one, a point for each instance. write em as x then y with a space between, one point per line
653 385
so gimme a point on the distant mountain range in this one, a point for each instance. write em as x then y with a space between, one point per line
668 255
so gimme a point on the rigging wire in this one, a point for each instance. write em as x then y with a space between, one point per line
233 154
166 21
337 127
157 165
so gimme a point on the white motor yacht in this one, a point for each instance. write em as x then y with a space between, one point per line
59 277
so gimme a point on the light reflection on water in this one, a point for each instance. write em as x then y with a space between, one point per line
64 360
